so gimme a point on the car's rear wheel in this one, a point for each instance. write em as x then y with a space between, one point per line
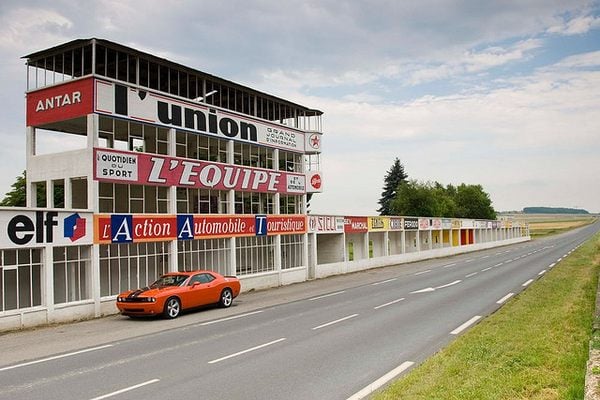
172 308
226 298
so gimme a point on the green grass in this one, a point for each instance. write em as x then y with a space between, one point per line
535 347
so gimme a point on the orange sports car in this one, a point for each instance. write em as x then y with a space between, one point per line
177 291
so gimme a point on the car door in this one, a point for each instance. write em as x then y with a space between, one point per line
204 289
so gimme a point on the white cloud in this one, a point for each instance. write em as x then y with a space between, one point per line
576 26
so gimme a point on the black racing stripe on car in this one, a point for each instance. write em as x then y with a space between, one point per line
138 292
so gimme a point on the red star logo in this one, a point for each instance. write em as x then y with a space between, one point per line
315 141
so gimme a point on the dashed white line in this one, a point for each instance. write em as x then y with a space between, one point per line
559 260
449 284
335 322
230 318
551 265
389 304
369 389
55 357
327 295
449 265
470 275
127 389
466 325
542 272
382 282
497 265
429 289
486 269
484 257
239 353
527 283
469 260
422 272
502 300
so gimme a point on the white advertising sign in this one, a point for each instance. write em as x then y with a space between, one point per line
26 228
147 106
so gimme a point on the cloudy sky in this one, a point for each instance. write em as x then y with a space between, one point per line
505 94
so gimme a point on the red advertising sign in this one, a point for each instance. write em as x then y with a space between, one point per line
356 225
285 224
130 228
159 170
60 103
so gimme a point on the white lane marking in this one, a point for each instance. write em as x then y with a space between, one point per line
327 295
127 389
382 282
432 289
527 283
389 304
335 322
369 389
484 257
542 272
502 300
448 265
486 269
470 275
469 260
449 284
230 318
466 325
422 272
565 255
508 261
559 260
239 353
497 265
551 265
55 357
429 289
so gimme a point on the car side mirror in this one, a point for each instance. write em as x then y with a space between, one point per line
195 284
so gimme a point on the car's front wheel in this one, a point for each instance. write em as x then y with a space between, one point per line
226 298
172 308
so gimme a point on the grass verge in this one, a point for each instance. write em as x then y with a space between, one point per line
544 227
535 347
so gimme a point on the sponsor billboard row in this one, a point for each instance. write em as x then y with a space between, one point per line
34 228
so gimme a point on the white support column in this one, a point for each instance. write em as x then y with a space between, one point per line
386 243
430 238
95 279
172 202
48 281
403 245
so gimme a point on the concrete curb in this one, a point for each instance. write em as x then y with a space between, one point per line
592 380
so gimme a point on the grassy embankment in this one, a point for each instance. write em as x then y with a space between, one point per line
535 347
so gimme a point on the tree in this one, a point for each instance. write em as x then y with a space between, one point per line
434 200
393 178
16 197
473 202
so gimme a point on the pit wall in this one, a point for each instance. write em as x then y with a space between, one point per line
332 245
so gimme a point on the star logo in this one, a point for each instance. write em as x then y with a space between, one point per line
315 141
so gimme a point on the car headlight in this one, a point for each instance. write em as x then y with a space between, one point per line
120 299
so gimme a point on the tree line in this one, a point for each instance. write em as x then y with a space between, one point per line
403 196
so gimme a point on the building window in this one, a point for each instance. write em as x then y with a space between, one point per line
290 204
292 251
252 156
255 254
210 254
291 162
125 266
132 199
20 279
199 147
202 201
254 203
71 273
132 136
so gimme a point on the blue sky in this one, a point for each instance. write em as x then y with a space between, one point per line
502 94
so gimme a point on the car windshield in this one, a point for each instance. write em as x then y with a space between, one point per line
169 280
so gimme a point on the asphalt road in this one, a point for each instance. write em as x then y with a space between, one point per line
327 339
